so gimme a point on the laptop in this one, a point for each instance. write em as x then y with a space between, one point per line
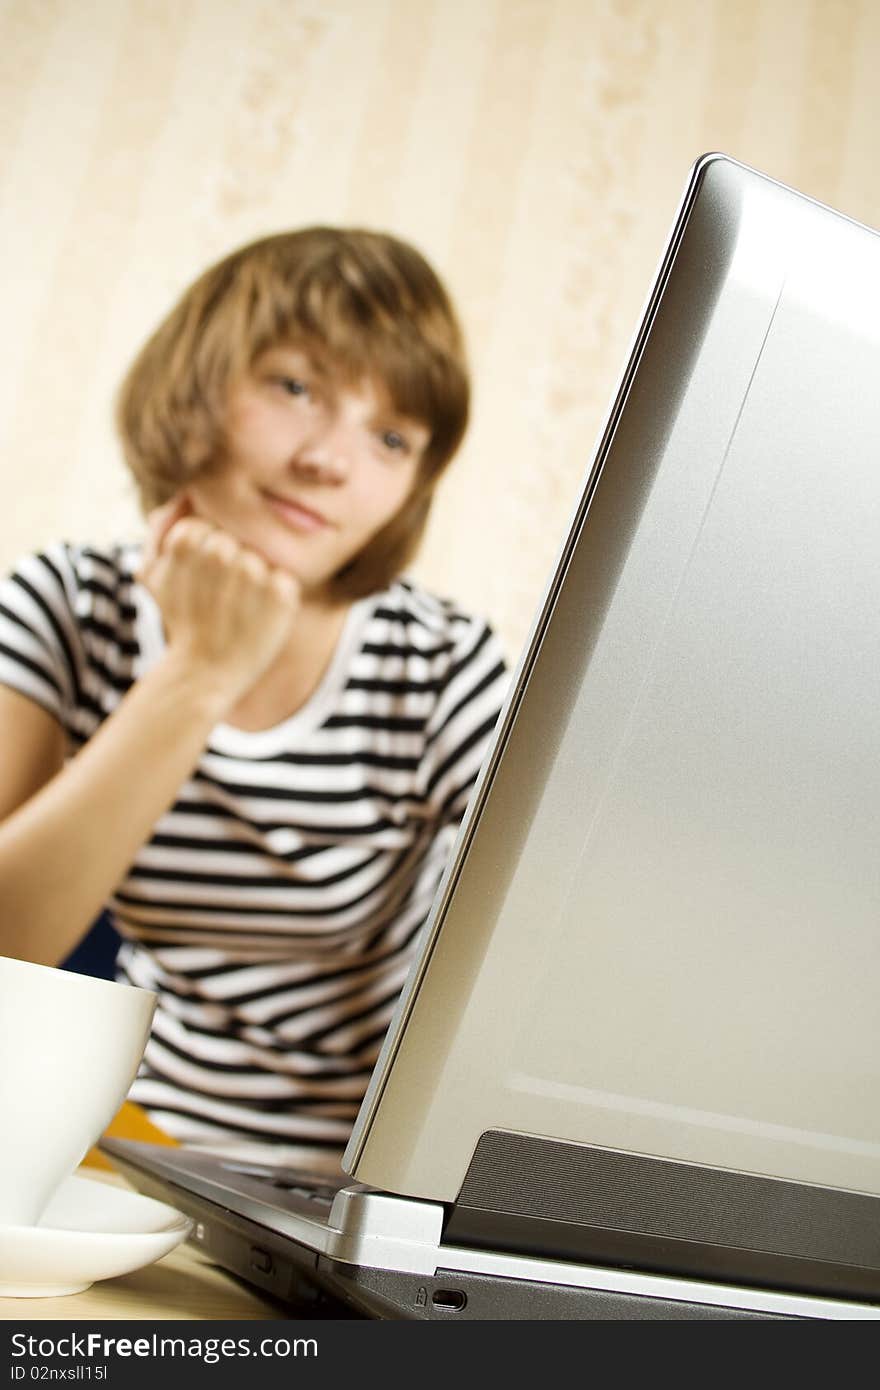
634 1070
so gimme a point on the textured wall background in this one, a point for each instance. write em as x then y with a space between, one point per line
534 149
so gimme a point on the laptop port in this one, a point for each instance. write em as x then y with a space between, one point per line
261 1261
453 1299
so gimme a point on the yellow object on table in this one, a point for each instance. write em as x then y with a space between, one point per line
129 1123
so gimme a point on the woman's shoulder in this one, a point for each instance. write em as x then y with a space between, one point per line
442 644
68 636
424 615
112 565
83 562
69 572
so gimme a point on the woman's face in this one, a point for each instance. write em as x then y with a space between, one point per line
313 468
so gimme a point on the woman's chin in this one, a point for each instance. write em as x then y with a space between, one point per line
314 587
280 557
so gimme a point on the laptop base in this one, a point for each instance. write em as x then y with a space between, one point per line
375 1255
453 1295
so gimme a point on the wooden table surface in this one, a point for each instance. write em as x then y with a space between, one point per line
181 1285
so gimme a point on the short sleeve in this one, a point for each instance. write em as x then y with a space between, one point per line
39 642
462 723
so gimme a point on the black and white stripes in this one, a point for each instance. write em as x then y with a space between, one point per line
276 907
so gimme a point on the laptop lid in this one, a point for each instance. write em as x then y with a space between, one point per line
656 940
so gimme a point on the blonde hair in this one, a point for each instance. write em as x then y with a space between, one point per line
364 304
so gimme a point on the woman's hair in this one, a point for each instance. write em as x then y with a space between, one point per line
363 304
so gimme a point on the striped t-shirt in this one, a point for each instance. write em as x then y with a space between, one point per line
276 907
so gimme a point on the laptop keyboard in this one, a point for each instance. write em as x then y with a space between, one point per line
322 1195
303 1187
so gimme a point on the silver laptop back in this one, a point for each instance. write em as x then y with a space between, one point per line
658 935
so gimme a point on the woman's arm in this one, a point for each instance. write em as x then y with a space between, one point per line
70 833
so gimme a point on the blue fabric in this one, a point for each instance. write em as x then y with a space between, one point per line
96 953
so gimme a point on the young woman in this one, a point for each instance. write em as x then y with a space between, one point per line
252 740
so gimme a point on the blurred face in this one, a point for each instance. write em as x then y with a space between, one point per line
314 468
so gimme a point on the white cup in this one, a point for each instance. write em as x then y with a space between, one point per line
70 1046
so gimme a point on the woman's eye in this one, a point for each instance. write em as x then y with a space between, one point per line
394 441
293 386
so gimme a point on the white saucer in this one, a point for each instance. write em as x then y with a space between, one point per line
90 1230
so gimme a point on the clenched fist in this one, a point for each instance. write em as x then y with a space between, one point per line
227 613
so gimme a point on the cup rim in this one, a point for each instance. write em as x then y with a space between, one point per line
88 981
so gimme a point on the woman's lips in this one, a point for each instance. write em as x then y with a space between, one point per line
295 514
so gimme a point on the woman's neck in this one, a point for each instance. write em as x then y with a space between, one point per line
297 672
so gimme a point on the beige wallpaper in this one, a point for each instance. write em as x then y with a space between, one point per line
534 149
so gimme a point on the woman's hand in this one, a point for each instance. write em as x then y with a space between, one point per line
227 612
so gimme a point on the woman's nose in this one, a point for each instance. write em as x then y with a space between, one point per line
327 450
